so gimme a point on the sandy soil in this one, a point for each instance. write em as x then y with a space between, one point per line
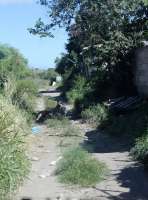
127 179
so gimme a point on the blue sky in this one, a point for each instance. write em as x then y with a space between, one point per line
18 15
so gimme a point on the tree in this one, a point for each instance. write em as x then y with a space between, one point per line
102 37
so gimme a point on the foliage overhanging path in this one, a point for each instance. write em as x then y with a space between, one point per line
127 179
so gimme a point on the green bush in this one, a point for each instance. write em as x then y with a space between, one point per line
79 89
79 168
14 164
140 150
24 94
95 114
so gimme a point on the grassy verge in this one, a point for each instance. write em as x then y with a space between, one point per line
79 168
14 164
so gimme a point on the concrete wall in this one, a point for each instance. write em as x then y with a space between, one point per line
141 73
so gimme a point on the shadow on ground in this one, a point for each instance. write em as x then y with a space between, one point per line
132 175
135 179
102 143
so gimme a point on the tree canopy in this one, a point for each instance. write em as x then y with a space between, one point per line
103 35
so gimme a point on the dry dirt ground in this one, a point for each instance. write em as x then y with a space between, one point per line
127 179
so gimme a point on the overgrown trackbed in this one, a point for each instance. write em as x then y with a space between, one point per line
127 179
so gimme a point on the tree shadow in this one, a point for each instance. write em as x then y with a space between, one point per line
132 176
98 142
136 179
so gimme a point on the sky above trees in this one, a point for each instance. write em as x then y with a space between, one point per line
18 15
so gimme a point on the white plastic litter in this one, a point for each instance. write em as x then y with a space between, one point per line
55 162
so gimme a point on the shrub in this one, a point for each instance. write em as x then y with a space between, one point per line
95 114
79 89
24 94
14 164
79 168
140 150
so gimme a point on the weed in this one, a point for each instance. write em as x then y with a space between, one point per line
79 168
140 150
13 161
95 114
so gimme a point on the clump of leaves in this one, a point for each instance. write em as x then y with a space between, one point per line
79 168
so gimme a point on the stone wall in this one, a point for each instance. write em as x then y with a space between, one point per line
141 73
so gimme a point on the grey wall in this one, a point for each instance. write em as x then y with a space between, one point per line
141 73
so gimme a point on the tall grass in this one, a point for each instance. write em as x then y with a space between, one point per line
21 93
77 167
14 164
95 114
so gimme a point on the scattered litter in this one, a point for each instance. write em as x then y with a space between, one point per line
43 176
55 162
36 130
35 159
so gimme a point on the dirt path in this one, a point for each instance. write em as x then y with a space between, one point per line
127 180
